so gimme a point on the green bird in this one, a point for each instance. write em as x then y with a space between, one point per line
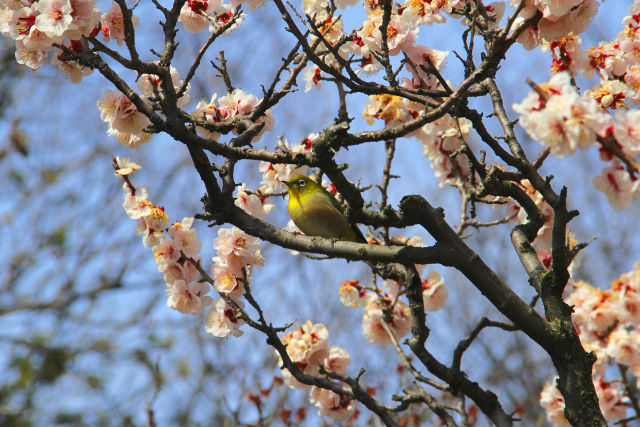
317 213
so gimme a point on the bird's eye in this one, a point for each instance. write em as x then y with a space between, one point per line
301 183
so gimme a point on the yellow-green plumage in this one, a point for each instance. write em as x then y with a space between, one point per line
317 213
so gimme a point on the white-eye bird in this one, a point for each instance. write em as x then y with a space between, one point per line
317 213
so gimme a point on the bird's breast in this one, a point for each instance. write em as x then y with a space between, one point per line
315 215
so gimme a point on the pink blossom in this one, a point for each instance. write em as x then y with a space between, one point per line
194 15
208 113
372 322
611 399
185 238
238 247
427 12
627 131
223 319
54 18
274 174
149 84
553 403
32 58
113 24
315 7
19 24
73 69
439 140
311 75
626 293
252 203
336 406
85 16
125 166
566 121
338 360
226 281
351 294
136 205
126 123
152 226
620 188
624 346
188 298
434 293
308 346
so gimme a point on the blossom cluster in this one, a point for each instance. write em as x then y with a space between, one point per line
560 118
237 253
126 122
375 302
308 347
608 324
559 19
227 109
176 246
37 25
176 250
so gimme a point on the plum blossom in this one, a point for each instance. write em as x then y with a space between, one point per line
439 140
21 23
626 294
567 54
136 204
401 32
427 12
54 18
185 238
308 344
152 226
149 84
73 69
553 403
392 109
338 360
308 347
418 55
225 281
618 185
564 121
624 346
253 203
543 237
434 293
126 123
113 24
188 298
351 294
611 399
32 58
311 75
336 406
208 113
223 319
627 131
237 248
230 107
194 14
372 322
274 174
172 264
594 308
85 16
125 166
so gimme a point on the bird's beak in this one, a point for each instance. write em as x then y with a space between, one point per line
287 183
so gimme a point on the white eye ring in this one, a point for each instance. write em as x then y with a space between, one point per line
301 183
